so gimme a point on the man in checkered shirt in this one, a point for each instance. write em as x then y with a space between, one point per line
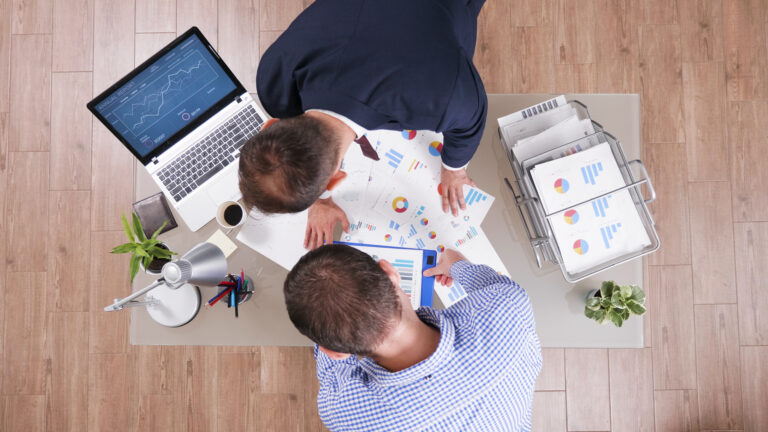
384 367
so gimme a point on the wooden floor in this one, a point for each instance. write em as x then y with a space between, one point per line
701 67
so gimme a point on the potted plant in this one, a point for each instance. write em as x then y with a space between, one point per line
149 253
615 303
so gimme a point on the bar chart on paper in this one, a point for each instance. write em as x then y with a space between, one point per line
474 196
405 268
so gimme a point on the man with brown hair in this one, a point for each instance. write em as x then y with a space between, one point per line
347 66
384 367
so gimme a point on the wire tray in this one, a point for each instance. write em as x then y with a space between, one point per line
536 221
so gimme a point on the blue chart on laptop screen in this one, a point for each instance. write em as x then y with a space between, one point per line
166 96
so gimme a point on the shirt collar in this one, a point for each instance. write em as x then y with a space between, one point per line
359 130
424 368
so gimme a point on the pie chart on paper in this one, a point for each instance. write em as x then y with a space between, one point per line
409 134
561 185
571 217
435 148
580 247
400 204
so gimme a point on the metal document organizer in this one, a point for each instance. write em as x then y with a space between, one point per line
537 222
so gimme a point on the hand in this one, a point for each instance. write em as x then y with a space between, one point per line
442 271
322 218
451 183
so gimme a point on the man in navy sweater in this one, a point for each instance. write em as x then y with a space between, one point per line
347 66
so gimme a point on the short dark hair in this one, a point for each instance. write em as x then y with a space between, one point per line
287 166
340 298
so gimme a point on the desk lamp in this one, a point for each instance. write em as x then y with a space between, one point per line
173 300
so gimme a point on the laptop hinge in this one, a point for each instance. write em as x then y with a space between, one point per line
155 161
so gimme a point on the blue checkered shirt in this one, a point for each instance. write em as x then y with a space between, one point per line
480 377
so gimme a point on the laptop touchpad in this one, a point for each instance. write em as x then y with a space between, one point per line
224 187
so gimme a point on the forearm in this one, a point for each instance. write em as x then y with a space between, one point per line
472 276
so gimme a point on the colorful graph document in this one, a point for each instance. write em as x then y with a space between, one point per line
598 230
570 180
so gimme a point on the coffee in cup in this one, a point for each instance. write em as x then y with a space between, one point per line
231 214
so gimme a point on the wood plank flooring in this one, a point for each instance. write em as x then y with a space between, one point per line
699 66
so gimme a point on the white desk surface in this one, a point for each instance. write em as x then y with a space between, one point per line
558 306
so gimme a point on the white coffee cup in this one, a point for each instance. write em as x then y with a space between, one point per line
231 214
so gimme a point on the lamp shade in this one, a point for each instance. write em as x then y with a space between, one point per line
204 264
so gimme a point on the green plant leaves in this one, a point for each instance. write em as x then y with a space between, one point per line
617 303
123 248
127 229
626 291
635 308
137 228
157 231
599 316
638 295
616 319
606 289
593 303
134 266
616 300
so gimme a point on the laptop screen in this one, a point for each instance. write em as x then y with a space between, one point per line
166 95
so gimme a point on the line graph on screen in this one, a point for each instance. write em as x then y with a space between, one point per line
165 90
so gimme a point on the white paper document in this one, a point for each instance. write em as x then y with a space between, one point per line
278 237
570 180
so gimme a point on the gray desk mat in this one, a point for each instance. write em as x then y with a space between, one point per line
558 305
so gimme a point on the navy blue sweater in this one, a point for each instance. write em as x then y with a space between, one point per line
385 64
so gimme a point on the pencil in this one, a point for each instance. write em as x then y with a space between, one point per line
218 297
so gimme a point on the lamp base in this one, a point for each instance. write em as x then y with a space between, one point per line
174 307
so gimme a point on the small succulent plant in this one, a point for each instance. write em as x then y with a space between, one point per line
615 303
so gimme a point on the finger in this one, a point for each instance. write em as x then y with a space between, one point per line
445 200
328 235
460 192
448 281
454 203
472 183
307 237
344 223
432 271
317 239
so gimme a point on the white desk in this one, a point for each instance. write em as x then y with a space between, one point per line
558 305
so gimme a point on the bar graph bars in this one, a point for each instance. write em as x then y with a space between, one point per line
607 233
394 159
411 231
474 196
394 225
590 172
599 206
471 233
405 268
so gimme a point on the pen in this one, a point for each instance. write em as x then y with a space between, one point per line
218 297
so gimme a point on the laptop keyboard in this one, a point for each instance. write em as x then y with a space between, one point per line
211 154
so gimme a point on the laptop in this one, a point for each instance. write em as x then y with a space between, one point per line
184 116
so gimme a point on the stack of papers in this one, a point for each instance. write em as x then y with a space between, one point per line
395 201
598 230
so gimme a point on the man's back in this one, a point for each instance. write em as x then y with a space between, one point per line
395 64
481 376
